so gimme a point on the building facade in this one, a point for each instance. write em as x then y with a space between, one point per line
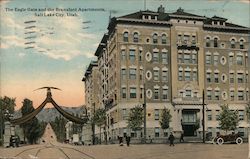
174 57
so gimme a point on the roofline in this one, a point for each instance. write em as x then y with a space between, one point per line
185 16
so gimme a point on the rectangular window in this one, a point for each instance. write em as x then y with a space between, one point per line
240 77
194 76
124 93
216 59
208 77
124 74
208 59
188 93
157 132
209 94
132 55
132 92
180 76
240 95
165 58
194 58
132 73
123 55
156 75
231 95
187 58
165 131
164 75
140 55
180 58
239 60
187 75
217 95
193 40
165 94
124 114
185 39
157 114
231 77
241 114
216 77
231 60
209 115
156 93
156 57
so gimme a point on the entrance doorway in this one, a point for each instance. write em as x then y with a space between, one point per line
189 122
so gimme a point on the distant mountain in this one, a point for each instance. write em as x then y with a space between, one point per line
49 114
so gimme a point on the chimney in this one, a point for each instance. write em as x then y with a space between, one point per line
161 9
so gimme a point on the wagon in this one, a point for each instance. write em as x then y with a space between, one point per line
231 138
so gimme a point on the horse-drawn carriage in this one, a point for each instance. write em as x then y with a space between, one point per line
231 138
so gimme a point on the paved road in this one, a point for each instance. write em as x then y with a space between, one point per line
155 151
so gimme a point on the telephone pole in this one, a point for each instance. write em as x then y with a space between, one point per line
145 115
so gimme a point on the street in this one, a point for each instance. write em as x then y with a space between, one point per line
153 151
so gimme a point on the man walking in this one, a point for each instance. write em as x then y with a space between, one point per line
171 139
182 137
128 140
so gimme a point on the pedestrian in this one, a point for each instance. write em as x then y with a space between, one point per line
182 137
120 140
171 139
127 140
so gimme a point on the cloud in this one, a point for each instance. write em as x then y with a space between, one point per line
4 46
245 1
21 54
12 41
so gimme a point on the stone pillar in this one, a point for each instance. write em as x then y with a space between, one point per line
7 133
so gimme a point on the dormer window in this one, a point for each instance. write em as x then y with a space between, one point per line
215 42
136 37
125 37
233 43
155 38
207 42
241 44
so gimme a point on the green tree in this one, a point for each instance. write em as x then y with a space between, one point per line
135 118
165 118
228 119
99 119
59 128
32 129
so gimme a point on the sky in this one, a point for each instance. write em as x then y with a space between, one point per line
63 46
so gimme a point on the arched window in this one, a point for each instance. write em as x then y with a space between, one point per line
155 38
233 43
208 42
164 39
125 36
136 37
215 42
241 44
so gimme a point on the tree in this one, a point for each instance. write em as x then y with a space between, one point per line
248 119
58 125
165 118
32 129
99 119
135 118
228 119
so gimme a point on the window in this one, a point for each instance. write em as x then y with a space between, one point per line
209 94
132 92
209 115
231 60
231 77
241 44
164 39
179 38
194 58
156 93
208 59
188 93
124 93
239 59
194 76
164 58
141 92
241 114
207 42
141 74
216 77
165 94
217 95
136 37
217 117
155 38
132 73
232 95
125 36
186 39
240 95
187 76
156 57
156 75
132 55
187 58
241 131
123 55
140 55
208 77
124 76
216 59
124 114
240 77
193 40
157 132
180 58
165 131
180 76
164 75
215 42
157 114
133 134
233 43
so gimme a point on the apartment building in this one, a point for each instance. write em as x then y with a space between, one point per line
173 57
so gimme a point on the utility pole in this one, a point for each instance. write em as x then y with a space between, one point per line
145 114
93 125
203 115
